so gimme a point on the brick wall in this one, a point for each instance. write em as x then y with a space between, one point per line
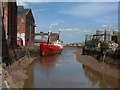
5 11
21 24
10 23
54 38
14 23
26 25
0 30
4 47
9 30
30 29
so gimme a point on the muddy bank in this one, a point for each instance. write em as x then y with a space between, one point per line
15 75
101 67
111 57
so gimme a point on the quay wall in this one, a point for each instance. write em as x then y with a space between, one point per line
15 74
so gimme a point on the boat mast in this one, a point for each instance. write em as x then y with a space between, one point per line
49 33
59 35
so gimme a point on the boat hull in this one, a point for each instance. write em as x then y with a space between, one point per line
49 49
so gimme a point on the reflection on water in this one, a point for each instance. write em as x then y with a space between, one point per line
48 63
100 79
63 71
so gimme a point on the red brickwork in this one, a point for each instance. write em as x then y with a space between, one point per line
26 24
54 38
9 29
21 24
10 23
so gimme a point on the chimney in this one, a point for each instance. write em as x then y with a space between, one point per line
20 8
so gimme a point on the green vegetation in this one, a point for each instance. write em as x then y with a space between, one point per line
91 43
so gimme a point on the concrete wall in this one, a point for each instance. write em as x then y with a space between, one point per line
109 34
88 37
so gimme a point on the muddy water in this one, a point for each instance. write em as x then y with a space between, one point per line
63 71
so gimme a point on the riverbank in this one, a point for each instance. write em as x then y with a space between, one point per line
111 57
101 67
15 75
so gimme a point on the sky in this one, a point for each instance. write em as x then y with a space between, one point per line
73 19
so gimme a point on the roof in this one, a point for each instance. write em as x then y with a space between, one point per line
22 11
53 34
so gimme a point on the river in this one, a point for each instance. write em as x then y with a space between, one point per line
64 71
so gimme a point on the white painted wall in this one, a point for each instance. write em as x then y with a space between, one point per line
22 35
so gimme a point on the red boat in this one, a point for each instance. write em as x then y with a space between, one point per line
50 49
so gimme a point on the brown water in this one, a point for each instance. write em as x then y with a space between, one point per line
63 71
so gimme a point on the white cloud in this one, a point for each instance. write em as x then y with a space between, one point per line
21 3
107 25
53 25
42 9
74 30
89 9
86 31
104 26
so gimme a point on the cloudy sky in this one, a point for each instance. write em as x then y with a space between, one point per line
73 19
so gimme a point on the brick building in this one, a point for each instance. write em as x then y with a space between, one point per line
43 37
0 30
26 26
10 23
54 37
9 29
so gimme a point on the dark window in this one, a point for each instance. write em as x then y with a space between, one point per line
114 38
